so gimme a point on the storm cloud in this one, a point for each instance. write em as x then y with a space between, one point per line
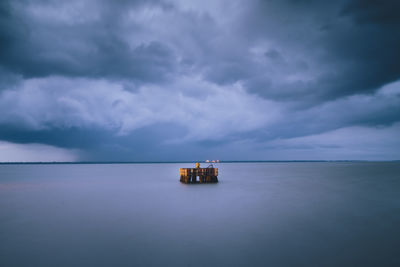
189 80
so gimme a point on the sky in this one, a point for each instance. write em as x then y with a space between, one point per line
165 80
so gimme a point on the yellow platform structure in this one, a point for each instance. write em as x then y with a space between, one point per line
199 175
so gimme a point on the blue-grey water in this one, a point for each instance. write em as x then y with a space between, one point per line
260 214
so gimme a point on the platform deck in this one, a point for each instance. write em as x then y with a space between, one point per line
199 175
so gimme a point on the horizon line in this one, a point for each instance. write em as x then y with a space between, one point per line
192 161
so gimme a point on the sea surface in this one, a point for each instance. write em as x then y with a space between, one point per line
260 214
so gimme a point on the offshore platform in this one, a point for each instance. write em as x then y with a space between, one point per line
199 175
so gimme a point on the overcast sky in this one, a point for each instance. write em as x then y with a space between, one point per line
103 80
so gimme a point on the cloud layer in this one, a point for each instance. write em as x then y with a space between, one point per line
179 80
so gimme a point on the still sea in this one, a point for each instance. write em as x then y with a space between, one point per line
259 214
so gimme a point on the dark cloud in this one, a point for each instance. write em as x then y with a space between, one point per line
158 80
368 51
336 49
384 12
36 46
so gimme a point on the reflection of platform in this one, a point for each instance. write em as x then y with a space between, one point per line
205 175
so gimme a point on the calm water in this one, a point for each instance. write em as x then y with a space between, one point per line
260 214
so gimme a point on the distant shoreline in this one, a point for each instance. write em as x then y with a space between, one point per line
175 162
